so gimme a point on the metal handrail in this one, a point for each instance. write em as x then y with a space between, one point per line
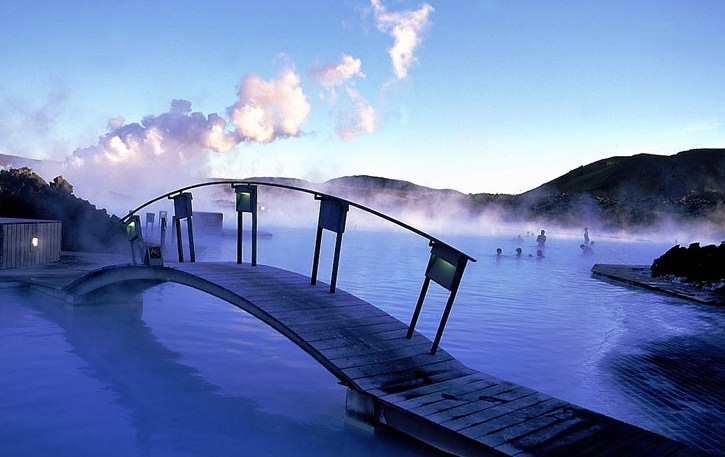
446 264
432 239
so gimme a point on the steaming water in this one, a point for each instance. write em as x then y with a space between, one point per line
184 373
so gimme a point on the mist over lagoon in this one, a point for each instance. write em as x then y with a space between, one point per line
183 373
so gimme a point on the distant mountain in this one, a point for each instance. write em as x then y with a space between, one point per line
615 193
635 192
11 161
698 171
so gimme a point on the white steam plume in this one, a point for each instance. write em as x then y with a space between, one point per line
405 27
137 161
364 120
331 75
267 110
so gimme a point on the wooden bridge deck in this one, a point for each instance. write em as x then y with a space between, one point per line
433 398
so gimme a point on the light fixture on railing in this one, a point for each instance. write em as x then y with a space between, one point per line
333 217
34 243
246 199
445 267
182 210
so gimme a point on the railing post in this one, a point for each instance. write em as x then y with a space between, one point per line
163 216
150 220
135 237
246 202
333 216
418 307
179 244
445 267
316 256
182 210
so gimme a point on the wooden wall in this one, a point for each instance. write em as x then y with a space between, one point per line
15 247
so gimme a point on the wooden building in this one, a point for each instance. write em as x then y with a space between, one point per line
26 242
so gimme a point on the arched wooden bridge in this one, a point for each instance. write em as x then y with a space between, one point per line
395 376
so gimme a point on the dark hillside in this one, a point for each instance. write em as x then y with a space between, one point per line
634 192
25 195
696 171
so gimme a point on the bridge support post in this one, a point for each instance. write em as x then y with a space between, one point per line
363 407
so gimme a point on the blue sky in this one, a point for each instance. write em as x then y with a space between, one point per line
479 96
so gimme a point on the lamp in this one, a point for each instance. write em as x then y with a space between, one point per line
445 267
246 202
333 216
182 210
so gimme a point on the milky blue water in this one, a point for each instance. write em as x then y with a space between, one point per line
176 372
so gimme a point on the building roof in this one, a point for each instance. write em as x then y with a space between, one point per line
15 220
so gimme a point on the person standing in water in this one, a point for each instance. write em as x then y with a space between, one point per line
541 239
586 235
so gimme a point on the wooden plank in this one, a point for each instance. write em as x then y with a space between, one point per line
471 415
405 385
482 398
603 440
535 438
359 330
320 315
365 353
405 379
372 367
412 395
339 339
527 420
356 327
460 392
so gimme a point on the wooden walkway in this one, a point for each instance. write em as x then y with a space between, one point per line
391 380
639 275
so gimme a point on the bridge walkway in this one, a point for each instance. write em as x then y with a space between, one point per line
392 380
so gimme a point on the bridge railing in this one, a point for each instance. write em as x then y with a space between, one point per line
445 265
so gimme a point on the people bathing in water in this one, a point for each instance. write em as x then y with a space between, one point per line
586 235
541 239
518 252
539 253
499 252
586 249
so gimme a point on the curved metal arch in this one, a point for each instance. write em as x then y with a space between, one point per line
431 239
149 276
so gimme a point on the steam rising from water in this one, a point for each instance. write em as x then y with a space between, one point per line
405 27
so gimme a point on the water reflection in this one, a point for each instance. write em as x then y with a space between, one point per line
140 397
